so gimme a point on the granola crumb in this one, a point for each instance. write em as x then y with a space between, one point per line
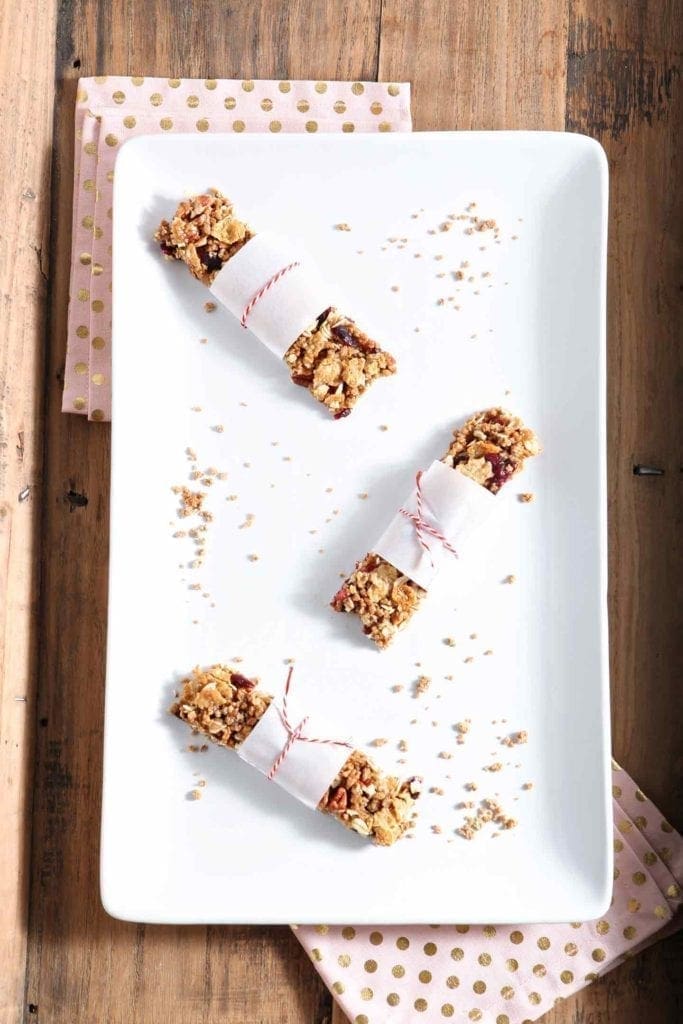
445 755
473 636
471 787
219 428
194 794
488 652
468 660
253 557
437 790
381 741
395 288
515 739
383 426
528 785
403 746
422 685
343 226
495 766
526 497
437 830
462 727
209 307
449 641
510 579
397 687
248 521
363 495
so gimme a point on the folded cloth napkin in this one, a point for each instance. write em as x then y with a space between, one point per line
509 974
110 110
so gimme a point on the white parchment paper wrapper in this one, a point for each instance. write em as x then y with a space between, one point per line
308 769
289 306
452 503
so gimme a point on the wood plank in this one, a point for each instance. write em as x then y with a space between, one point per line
623 88
83 965
26 96
483 65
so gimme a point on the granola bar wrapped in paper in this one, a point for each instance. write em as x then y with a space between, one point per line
277 293
451 500
327 774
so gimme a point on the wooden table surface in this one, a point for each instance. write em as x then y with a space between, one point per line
610 68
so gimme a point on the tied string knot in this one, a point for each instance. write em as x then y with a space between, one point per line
423 528
263 289
295 733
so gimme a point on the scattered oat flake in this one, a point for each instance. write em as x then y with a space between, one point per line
510 579
403 746
343 226
194 794
469 660
381 741
489 651
526 497
248 521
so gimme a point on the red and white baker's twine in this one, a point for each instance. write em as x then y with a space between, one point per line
262 291
295 733
423 527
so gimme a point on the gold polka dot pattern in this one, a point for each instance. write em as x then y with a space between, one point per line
549 962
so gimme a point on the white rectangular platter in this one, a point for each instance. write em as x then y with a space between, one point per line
305 496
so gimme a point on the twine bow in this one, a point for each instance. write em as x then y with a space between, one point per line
264 288
422 526
295 734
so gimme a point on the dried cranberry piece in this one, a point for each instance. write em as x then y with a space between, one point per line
302 379
501 470
342 413
168 250
209 260
344 335
337 601
241 682
322 318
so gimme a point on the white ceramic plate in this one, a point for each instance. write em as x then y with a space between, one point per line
533 341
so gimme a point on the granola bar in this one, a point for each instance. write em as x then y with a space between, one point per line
490 448
226 706
332 358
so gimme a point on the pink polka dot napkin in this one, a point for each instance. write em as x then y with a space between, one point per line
509 974
110 110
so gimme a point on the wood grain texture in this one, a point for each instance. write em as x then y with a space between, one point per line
606 67
26 94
